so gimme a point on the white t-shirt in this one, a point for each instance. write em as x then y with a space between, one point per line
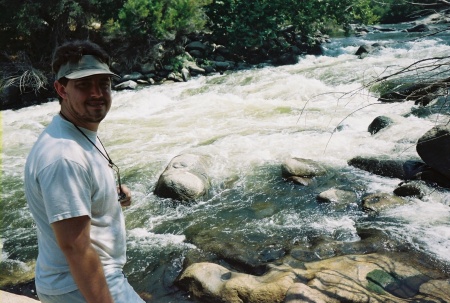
66 177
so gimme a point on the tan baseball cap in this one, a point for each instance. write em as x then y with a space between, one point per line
88 65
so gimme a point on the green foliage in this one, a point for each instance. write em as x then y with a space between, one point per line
38 26
245 23
362 12
393 11
179 61
249 24
161 19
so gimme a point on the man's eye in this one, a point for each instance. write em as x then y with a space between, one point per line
82 85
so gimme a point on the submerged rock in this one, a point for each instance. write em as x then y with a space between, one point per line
381 201
412 189
334 195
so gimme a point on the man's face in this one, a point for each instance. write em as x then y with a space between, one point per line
86 101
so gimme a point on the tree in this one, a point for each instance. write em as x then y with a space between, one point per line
248 24
36 27
161 19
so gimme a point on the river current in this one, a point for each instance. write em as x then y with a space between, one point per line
248 122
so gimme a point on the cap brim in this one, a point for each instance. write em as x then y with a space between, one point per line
89 72
87 65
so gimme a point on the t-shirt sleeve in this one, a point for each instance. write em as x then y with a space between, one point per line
65 187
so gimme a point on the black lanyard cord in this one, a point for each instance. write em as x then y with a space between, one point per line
107 157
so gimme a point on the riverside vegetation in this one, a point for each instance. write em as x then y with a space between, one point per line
151 42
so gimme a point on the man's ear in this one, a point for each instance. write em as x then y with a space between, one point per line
60 89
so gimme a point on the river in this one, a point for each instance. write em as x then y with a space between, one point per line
248 122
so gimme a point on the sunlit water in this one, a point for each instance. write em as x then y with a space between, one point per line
248 122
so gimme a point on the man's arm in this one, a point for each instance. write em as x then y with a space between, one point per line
73 236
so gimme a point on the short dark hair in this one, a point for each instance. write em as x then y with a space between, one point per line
72 52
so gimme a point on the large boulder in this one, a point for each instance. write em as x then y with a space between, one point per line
352 278
400 169
301 170
434 149
211 282
185 178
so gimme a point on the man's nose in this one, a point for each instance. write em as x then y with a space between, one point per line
96 90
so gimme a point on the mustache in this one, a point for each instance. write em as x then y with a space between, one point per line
96 100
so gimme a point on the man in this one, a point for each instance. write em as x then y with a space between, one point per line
71 190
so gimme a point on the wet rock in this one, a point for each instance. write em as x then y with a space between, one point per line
222 65
210 282
370 241
436 288
434 149
398 286
301 293
287 59
420 93
185 74
405 170
130 84
194 69
301 171
339 196
381 201
185 178
176 77
196 45
301 180
383 29
324 250
419 29
366 49
412 189
355 273
379 123
352 278
432 177
301 168
236 254
133 76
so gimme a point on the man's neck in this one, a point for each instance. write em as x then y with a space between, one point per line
90 126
